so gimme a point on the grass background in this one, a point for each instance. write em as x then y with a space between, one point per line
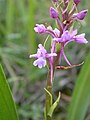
18 40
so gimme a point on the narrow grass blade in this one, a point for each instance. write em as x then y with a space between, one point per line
81 95
10 16
31 24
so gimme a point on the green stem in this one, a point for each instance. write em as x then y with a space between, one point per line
49 87
48 103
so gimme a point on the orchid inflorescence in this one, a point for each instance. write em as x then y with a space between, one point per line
63 35
65 13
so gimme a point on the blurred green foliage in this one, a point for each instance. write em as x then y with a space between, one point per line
81 96
18 40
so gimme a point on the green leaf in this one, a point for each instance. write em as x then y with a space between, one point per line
7 106
54 106
81 96
50 95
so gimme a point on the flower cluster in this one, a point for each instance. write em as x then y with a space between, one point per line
62 35
41 56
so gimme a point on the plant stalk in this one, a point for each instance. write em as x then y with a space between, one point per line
48 103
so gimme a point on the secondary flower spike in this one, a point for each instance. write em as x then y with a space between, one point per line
81 15
41 56
53 13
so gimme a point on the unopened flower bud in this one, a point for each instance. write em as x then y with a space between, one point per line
81 15
76 1
53 13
